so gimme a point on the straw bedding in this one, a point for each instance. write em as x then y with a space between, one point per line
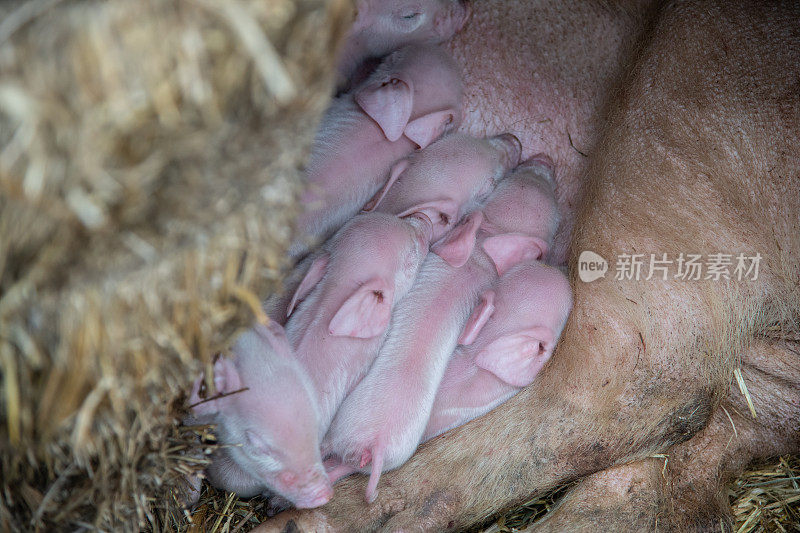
150 155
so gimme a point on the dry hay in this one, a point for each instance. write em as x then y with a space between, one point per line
767 497
150 152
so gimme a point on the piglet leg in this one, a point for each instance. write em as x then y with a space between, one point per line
642 364
337 470
375 456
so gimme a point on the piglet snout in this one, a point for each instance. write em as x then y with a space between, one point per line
315 491
510 149
316 499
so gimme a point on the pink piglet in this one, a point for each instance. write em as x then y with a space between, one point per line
507 340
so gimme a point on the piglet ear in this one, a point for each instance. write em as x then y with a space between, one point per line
226 375
427 128
397 169
226 380
457 245
511 249
480 315
442 213
389 104
199 406
315 273
366 313
274 334
517 358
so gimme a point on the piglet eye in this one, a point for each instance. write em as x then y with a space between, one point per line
444 219
411 16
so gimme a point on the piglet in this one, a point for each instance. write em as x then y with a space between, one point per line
448 179
412 99
369 265
341 309
382 26
265 413
382 421
443 181
508 338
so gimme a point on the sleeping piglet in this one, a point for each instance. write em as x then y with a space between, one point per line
449 178
382 26
508 338
341 309
265 413
412 99
441 182
382 421
350 288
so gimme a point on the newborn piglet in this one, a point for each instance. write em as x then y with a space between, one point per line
264 413
341 309
351 287
382 26
448 179
443 181
382 421
508 338
412 99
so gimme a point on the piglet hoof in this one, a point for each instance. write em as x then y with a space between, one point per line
188 494
276 505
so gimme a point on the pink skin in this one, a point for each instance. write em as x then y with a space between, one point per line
509 337
447 179
643 91
382 421
272 427
382 26
441 182
340 311
413 98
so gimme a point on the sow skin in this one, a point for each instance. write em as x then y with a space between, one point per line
674 129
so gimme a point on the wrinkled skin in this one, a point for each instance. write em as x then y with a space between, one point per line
684 493
382 421
341 309
412 99
697 155
382 26
271 428
504 347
